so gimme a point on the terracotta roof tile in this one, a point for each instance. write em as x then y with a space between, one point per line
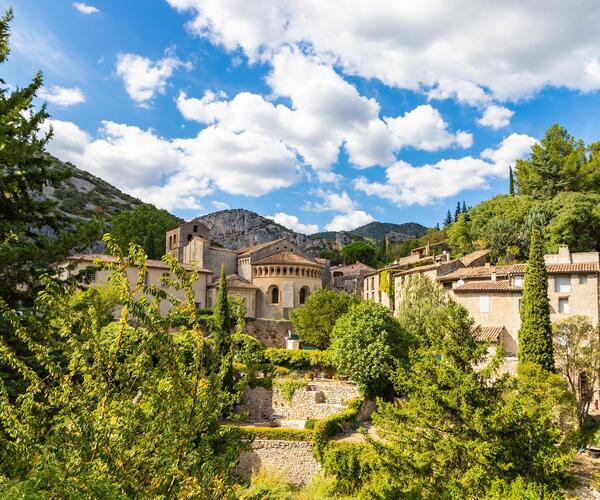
235 281
152 263
485 286
255 248
468 259
486 271
489 333
287 257
572 268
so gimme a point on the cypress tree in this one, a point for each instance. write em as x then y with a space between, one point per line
221 330
535 335
464 208
511 181
458 211
448 219
383 250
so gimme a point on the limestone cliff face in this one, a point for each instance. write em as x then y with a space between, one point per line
238 228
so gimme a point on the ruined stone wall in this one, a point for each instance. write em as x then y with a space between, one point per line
269 332
292 460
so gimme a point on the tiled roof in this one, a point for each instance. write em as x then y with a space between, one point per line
468 259
573 268
255 248
486 271
287 257
489 333
487 286
235 281
418 269
152 263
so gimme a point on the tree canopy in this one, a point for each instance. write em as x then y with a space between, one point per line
360 251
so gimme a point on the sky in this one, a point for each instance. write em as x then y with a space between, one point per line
320 115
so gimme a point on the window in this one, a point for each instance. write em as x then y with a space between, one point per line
562 284
519 280
582 279
274 295
303 294
484 303
563 306
195 229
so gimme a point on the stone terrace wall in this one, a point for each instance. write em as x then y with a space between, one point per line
293 460
270 332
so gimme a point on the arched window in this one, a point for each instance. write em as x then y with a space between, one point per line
274 295
170 241
304 292
195 229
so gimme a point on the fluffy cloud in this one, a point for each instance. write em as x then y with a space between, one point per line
326 114
496 117
349 221
332 202
292 222
429 45
407 185
85 8
62 96
220 205
144 78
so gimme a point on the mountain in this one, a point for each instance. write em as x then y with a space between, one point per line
84 195
379 230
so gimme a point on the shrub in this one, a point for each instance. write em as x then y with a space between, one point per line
351 464
288 387
280 433
247 350
298 358
333 425
266 486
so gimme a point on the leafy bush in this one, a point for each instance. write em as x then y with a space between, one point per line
298 358
288 387
315 321
247 350
328 427
351 464
267 486
282 433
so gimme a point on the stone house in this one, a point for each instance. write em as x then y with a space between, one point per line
349 278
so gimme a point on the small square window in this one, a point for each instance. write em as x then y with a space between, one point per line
563 306
562 284
582 279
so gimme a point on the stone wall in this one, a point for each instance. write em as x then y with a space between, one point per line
292 460
270 332
319 399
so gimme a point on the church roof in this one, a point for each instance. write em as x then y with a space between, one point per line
287 257
235 281
254 248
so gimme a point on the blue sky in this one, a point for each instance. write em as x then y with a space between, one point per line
323 115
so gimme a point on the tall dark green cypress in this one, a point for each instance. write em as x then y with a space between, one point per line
535 335
221 331
383 250
511 181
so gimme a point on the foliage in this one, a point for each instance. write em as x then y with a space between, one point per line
248 350
519 489
328 427
460 236
360 251
298 358
351 464
221 332
577 354
288 387
314 322
367 343
146 226
535 334
333 256
127 409
460 427
276 433
267 486
558 163
237 312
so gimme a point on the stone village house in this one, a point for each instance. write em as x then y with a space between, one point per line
272 277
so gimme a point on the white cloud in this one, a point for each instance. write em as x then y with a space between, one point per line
62 96
408 185
332 202
292 222
85 8
349 221
496 117
220 205
424 128
430 45
144 78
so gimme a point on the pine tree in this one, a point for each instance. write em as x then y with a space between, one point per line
457 211
448 219
511 181
464 208
535 335
222 331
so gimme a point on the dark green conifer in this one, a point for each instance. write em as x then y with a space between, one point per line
511 181
221 330
448 219
535 335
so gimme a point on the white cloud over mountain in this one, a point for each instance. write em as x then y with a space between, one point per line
349 221
408 185
62 96
292 222
470 51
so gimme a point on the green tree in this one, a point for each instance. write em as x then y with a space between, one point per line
360 251
128 409
511 182
575 221
460 236
557 163
383 253
315 321
577 353
448 219
460 427
367 344
221 332
457 211
146 226
535 334
333 256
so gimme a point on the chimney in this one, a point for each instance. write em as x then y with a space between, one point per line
493 276
564 254
487 264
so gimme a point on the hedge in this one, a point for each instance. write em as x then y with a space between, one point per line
328 427
298 358
352 464
282 433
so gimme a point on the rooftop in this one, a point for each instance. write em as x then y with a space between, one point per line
487 286
287 257
151 263
254 248
235 281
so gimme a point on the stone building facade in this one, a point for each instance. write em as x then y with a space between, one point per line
349 278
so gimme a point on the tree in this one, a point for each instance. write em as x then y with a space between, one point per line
535 334
501 236
128 409
333 256
383 251
557 163
146 226
460 236
460 427
315 321
575 221
511 182
360 251
457 211
577 353
221 332
464 208
367 344
448 219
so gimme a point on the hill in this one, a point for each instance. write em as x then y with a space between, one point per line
379 230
